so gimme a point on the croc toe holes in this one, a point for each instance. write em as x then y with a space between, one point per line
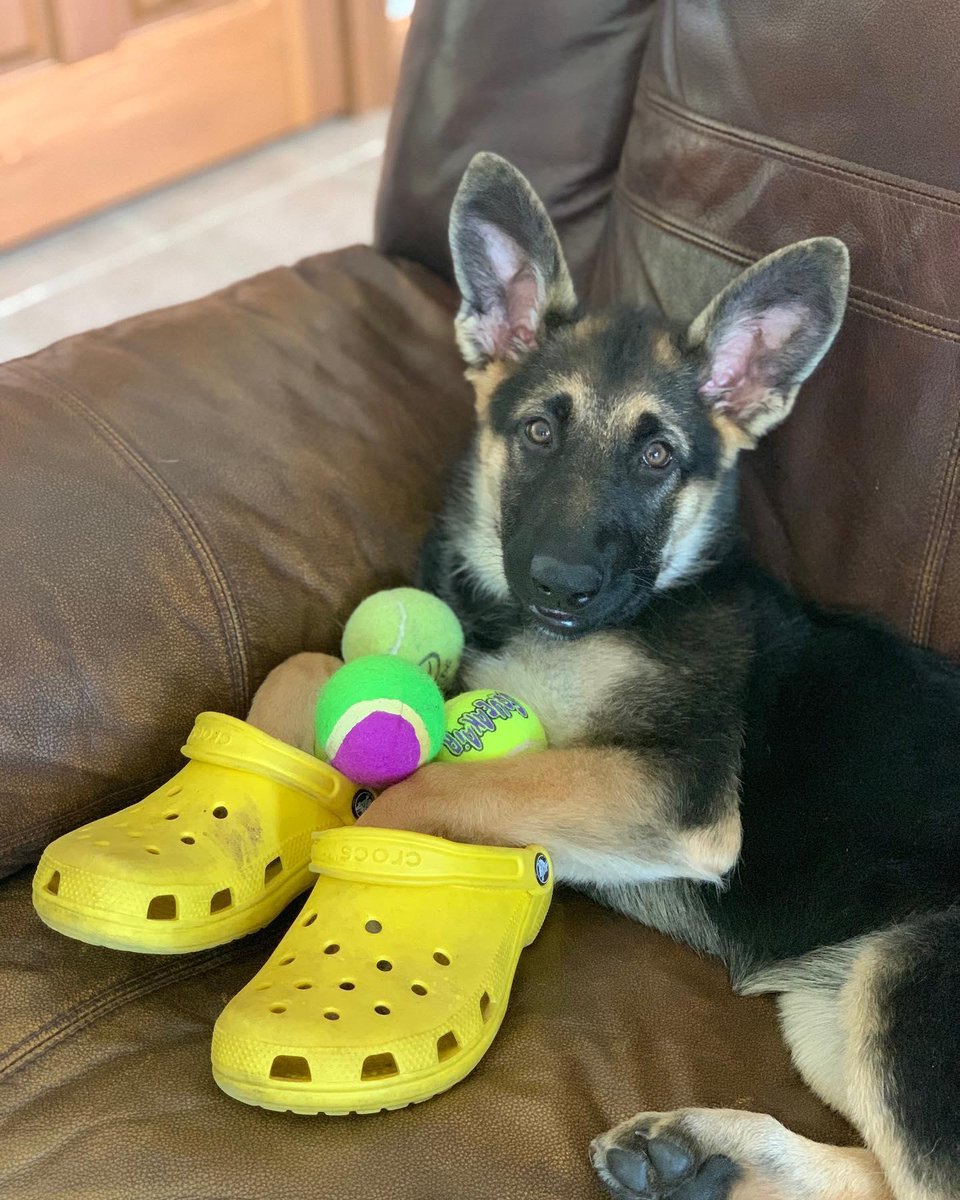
162 908
188 839
332 948
441 959
170 816
373 926
175 790
346 985
152 849
290 1067
384 964
382 1010
278 1008
308 919
447 1046
287 960
221 900
378 1066
331 1014
272 870
262 987
219 812
418 989
303 985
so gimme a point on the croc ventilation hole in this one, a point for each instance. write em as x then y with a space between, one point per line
303 985
447 1046
308 920
382 1010
373 927
170 816
441 958
379 1066
162 908
152 849
331 1014
278 1008
221 900
220 812
287 960
485 1006
418 989
290 1067
175 791
188 839
331 948
53 884
272 870
347 985
384 965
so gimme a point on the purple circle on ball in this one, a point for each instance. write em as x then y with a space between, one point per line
381 749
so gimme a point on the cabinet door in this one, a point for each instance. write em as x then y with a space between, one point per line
101 100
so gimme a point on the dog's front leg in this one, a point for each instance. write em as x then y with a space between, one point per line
605 814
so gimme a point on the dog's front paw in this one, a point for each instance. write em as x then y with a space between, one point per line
423 803
652 1157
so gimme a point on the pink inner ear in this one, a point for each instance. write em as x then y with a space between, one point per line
512 327
743 364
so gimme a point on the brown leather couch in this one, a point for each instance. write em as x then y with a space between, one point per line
191 496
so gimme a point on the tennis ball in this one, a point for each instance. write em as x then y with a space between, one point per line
377 719
411 624
487 724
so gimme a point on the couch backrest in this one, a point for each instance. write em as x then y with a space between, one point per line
738 129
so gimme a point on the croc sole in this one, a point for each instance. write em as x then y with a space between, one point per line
214 854
393 981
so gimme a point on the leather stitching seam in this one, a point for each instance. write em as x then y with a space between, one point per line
202 552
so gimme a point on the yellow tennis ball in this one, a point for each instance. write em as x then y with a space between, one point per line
413 625
486 724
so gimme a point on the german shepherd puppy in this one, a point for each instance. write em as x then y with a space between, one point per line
769 781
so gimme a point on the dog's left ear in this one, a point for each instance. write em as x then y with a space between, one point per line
763 335
508 263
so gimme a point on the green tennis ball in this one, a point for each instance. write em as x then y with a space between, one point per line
487 724
378 719
411 624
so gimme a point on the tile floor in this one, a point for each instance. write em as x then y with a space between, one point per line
309 192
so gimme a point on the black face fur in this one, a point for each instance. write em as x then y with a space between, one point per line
607 444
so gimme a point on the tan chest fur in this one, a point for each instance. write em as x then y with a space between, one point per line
568 684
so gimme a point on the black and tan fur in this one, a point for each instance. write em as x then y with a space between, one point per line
770 782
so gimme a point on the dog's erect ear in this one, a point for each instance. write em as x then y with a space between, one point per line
764 334
508 263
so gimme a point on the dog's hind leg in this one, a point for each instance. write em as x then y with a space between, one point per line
725 1154
872 1026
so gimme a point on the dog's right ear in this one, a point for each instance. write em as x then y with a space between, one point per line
508 263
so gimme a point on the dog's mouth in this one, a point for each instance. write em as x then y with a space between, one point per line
613 611
556 619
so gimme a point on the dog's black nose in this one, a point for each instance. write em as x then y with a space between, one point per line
565 585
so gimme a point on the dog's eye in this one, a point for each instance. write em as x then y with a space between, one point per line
657 454
538 431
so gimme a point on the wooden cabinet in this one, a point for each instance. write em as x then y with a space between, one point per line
101 99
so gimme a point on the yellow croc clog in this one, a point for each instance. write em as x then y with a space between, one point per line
214 854
391 984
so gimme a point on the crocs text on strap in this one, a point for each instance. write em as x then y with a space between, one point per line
396 856
228 742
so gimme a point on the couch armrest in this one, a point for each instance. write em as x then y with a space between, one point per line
193 495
